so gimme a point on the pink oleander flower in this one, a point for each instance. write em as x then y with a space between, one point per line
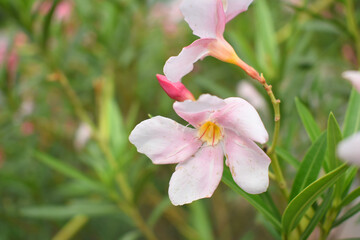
353 77
175 90
349 150
221 127
207 19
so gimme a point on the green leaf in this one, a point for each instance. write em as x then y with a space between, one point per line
332 162
303 201
320 212
351 197
352 117
286 156
334 136
351 212
254 200
310 166
349 177
308 121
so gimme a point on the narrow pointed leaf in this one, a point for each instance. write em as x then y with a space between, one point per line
303 201
334 136
351 197
351 212
310 166
352 117
349 177
308 121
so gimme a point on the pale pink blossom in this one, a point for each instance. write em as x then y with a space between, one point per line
207 19
353 77
349 149
221 127
175 90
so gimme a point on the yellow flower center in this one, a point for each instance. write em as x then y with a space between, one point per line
210 133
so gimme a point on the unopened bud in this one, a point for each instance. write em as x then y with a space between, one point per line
175 90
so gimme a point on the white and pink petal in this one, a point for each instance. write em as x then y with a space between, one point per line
349 149
197 112
178 66
164 141
202 16
198 177
248 163
241 117
354 78
234 7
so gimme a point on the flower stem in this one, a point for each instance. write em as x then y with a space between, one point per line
276 106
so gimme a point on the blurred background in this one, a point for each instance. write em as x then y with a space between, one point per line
76 76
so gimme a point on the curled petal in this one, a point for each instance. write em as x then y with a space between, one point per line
177 67
354 78
241 117
205 17
175 90
247 162
199 111
197 177
164 141
349 149
235 7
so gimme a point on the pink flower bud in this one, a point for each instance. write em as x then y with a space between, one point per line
175 90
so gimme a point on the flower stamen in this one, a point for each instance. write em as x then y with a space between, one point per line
210 133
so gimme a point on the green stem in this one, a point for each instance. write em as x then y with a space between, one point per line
276 106
71 228
329 220
279 176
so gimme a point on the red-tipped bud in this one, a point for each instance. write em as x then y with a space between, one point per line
175 90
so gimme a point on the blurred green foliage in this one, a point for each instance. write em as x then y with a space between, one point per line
96 67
